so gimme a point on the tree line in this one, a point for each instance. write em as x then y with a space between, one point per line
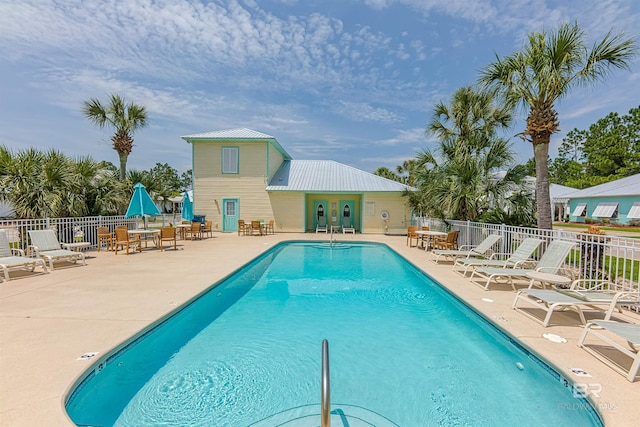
459 179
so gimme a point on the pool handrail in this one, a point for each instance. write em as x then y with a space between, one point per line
325 392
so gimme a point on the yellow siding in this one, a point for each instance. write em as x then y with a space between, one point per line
275 160
374 203
288 212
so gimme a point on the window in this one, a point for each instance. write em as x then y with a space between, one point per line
606 210
634 212
229 159
581 210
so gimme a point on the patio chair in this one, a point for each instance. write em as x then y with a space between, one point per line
271 227
14 259
242 227
255 228
322 224
515 260
168 234
448 243
468 251
105 236
127 241
45 245
411 235
578 295
195 232
627 331
207 228
550 262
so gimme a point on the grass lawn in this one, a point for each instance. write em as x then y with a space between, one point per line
630 230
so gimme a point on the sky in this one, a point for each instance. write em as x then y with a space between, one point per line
354 81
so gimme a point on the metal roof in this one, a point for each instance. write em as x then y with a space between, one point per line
329 176
629 186
238 133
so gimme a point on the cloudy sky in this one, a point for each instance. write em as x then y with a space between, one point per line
348 80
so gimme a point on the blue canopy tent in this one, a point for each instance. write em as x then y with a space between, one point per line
187 207
141 204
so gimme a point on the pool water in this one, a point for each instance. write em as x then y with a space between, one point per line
403 352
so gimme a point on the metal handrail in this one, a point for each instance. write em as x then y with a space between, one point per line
325 397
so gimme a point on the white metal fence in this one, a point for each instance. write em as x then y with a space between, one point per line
616 259
67 229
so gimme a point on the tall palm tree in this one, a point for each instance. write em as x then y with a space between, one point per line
124 118
549 66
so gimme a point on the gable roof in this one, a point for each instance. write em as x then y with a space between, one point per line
329 176
558 193
628 186
238 134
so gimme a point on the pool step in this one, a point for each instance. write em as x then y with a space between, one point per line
341 416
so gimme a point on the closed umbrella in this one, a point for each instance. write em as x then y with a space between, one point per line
141 204
187 207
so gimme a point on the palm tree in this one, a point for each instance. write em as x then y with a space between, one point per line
548 67
470 111
455 180
124 118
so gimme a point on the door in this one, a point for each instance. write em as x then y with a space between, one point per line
320 209
229 215
347 214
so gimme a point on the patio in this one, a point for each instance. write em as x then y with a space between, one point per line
49 321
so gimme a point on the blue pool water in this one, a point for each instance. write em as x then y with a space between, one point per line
404 352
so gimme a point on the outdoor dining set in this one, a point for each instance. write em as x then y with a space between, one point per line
255 227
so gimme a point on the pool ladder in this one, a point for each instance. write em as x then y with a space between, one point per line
325 392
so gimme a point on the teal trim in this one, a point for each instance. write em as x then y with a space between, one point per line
230 222
266 174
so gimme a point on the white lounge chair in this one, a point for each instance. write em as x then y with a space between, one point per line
347 226
45 245
553 300
322 224
627 331
468 251
550 262
515 260
14 259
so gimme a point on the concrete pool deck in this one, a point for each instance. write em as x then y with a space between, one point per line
47 321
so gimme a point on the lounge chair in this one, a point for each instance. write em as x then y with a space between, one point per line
515 260
45 245
14 259
322 224
627 331
168 234
468 251
574 298
550 262
347 226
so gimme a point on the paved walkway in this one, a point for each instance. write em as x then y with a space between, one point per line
48 321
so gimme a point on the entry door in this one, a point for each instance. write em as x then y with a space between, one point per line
229 215
346 211
320 208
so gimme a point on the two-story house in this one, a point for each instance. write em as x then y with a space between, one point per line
245 174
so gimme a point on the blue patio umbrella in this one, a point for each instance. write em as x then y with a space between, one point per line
187 207
141 204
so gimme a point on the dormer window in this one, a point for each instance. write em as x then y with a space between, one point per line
230 159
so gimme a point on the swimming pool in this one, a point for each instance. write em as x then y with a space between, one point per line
404 352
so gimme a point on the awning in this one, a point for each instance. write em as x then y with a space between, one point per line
605 210
579 209
634 212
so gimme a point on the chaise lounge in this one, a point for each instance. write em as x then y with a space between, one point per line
468 251
515 260
45 245
14 259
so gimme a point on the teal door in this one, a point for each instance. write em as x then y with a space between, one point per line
320 211
230 215
347 214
